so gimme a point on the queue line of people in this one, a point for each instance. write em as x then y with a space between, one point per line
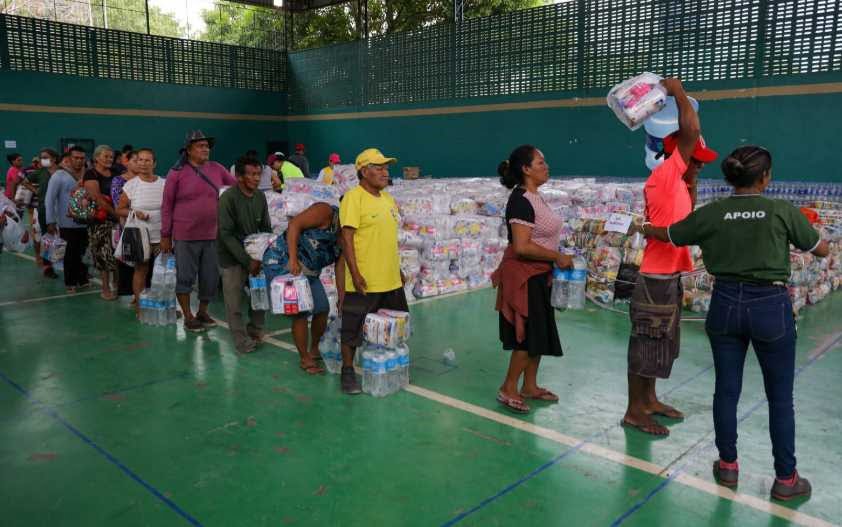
744 239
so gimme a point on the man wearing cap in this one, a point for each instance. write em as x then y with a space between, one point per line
298 159
189 225
373 279
655 311
326 174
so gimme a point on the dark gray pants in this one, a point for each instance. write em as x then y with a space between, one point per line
234 278
197 258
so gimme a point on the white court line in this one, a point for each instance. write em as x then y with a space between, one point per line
279 332
694 482
21 255
45 298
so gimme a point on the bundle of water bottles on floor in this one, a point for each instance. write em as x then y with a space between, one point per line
157 305
384 357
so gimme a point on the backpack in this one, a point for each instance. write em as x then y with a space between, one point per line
82 206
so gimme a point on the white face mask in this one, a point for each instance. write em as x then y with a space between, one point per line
46 162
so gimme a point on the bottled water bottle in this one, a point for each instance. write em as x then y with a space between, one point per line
258 292
171 316
368 371
158 272
560 291
403 365
329 345
576 286
332 356
392 372
378 374
143 304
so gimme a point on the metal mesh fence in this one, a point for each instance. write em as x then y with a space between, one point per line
31 44
573 46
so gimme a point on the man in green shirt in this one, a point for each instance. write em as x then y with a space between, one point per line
242 211
37 182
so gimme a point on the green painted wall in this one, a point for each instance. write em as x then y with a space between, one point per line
34 130
801 131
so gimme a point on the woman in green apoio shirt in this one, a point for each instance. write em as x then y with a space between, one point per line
745 243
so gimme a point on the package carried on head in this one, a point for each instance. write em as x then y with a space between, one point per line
636 99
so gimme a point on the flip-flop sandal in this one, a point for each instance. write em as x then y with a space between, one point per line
512 404
313 369
645 428
677 416
542 395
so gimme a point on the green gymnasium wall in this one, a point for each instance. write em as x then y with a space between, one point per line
802 131
37 109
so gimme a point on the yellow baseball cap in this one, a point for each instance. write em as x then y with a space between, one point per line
373 156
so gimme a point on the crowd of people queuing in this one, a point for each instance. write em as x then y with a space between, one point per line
745 242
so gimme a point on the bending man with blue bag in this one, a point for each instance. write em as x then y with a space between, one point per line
310 243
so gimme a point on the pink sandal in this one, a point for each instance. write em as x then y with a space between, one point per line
512 404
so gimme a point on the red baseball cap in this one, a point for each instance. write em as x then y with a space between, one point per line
299 146
701 152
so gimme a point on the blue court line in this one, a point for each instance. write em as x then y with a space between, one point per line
572 450
130 388
107 455
682 469
91 397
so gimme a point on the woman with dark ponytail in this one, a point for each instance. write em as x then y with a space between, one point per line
527 320
745 243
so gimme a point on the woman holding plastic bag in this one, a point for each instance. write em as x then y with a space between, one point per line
10 228
309 245
141 199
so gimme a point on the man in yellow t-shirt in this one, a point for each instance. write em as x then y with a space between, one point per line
373 279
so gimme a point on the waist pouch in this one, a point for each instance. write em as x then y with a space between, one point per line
648 319
653 320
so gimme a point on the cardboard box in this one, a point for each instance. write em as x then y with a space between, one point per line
411 172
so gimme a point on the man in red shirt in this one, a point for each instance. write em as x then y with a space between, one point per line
656 305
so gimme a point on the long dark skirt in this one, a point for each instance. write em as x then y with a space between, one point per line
541 336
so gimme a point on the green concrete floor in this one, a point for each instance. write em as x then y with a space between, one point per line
107 422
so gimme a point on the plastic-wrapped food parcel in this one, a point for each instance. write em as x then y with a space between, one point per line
452 235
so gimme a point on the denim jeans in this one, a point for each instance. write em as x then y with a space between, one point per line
742 313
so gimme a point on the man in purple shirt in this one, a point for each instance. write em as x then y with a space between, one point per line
189 225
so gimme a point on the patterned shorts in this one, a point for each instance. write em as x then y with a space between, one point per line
102 251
